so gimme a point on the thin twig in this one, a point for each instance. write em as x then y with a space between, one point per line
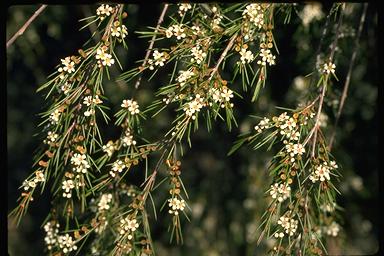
324 88
315 128
348 79
229 46
149 50
25 26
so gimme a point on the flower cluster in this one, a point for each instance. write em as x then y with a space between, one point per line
104 203
51 137
128 226
104 58
280 191
246 56
287 126
266 57
118 30
329 68
131 105
175 30
68 65
66 243
221 95
158 59
109 148
65 88
289 225
255 14
294 150
310 12
39 177
127 139
117 166
183 8
176 205
217 18
104 11
184 76
194 106
88 100
263 124
52 230
67 186
55 116
333 229
80 162
198 54
322 171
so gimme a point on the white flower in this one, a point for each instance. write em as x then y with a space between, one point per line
321 172
329 68
255 14
178 31
80 162
226 94
311 11
104 58
54 117
246 56
103 11
131 105
298 149
52 230
158 59
194 106
289 224
67 186
52 137
117 166
266 57
263 124
104 202
87 100
68 65
176 205
198 54
184 76
89 112
39 176
280 191
128 139
128 225
109 148
333 229
66 243
183 8
65 88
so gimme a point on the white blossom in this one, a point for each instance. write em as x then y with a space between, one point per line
104 11
329 68
176 205
66 243
131 105
104 203
246 56
51 229
255 14
266 57
194 106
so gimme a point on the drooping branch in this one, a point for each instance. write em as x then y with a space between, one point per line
149 50
26 25
348 78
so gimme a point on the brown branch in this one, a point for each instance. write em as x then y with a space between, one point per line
348 78
149 50
26 25
229 46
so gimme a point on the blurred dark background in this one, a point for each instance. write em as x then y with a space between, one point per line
226 193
